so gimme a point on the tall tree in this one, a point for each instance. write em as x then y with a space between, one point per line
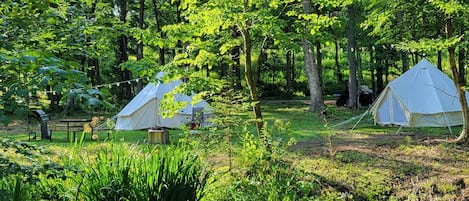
462 65
456 10
42 45
463 137
122 55
141 22
311 67
351 49
251 19
245 32
317 26
289 68
161 49
338 71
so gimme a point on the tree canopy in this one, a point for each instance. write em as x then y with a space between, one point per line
82 54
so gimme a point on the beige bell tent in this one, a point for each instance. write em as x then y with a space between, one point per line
142 111
421 97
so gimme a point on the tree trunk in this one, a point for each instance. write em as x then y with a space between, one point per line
141 26
140 42
462 65
312 69
386 71
293 67
316 99
90 63
125 88
319 61
161 56
94 72
83 59
405 61
251 83
379 72
463 137
352 82
288 73
358 61
338 72
223 69
438 63
94 61
372 72
178 21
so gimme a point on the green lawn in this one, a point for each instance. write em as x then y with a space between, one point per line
321 162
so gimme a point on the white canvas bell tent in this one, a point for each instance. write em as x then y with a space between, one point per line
421 97
142 111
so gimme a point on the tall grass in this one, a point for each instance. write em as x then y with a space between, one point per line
13 188
129 172
107 172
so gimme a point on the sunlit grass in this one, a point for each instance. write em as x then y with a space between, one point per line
371 162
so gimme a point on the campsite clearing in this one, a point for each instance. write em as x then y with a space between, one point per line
369 163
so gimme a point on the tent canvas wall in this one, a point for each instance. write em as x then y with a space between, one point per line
421 97
142 111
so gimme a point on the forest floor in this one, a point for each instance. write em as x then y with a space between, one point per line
410 165
415 166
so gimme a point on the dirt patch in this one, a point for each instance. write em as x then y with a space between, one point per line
428 167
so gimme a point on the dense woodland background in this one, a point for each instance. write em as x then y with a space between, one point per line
88 58
86 55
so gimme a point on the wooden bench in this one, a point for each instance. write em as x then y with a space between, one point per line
74 126
70 126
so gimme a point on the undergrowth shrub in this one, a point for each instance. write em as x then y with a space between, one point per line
126 172
262 173
109 172
13 188
24 168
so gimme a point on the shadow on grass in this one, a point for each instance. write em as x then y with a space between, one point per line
400 168
365 168
367 176
344 189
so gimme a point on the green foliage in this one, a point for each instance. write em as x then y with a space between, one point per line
425 45
12 188
262 173
195 85
450 7
123 172
27 161
263 169
146 67
113 172
29 174
396 22
40 51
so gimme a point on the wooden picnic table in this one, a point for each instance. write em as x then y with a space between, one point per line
71 127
